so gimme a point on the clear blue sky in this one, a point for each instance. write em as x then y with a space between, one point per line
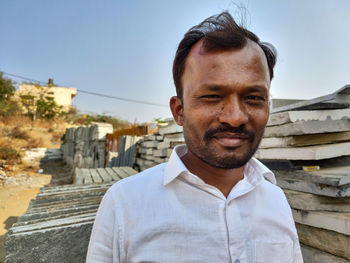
126 48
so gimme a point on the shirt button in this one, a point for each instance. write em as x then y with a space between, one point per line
237 261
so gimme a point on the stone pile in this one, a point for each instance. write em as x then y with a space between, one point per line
56 226
58 222
309 152
157 148
85 146
102 175
43 154
125 155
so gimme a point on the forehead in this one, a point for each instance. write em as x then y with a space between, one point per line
245 66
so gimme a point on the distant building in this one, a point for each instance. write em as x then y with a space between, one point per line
63 96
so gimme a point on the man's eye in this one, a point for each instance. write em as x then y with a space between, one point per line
255 98
211 96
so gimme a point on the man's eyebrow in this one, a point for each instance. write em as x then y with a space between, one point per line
256 88
208 87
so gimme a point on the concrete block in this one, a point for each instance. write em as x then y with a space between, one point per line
149 144
325 240
171 128
313 255
176 137
163 145
305 140
338 222
312 202
149 137
308 127
160 153
316 152
159 160
313 188
311 115
66 243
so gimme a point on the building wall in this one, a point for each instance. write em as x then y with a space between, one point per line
63 96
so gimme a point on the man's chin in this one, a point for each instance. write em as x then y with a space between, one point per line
231 162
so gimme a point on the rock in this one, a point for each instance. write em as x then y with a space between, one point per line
308 127
316 152
325 240
311 202
338 222
312 255
304 140
310 115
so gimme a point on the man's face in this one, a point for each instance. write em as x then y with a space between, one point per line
225 104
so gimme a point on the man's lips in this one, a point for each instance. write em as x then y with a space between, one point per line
227 139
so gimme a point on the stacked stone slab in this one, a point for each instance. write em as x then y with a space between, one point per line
320 200
125 156
157 148
101 175
43 154
56 226
85 146
58 222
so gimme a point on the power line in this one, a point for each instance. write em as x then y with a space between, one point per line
92 93
21 77
119 98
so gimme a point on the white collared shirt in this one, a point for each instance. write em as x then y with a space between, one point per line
167 214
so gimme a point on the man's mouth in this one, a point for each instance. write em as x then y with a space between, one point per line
228 139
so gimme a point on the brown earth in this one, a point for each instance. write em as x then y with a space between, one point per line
19 181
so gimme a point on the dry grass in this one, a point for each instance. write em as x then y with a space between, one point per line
19 133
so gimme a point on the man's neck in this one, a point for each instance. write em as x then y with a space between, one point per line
223 179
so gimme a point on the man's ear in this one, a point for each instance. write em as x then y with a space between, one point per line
176 109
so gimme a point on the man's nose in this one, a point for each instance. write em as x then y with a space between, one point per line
233 112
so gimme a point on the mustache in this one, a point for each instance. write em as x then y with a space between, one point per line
209 134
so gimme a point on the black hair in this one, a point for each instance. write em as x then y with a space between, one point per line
218 32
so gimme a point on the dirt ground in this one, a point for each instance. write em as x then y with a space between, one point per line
17 191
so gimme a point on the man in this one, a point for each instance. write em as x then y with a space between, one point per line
210 202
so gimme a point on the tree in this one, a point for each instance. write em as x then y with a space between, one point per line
8 106
47 108
7 88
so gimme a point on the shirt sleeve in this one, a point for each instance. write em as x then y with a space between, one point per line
103 245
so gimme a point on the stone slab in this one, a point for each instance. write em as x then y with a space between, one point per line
313 188
149 144
304 140
341 96
171 128
313 255
65 244
128 170
104 175
87 176
111 172
333 176
338 222
325 240
176 137
160 153
308 127
121 173
294 165
311 202
51 217
316 152
310 115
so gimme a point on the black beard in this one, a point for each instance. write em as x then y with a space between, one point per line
214 159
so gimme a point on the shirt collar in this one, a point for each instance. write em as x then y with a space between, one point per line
255 171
